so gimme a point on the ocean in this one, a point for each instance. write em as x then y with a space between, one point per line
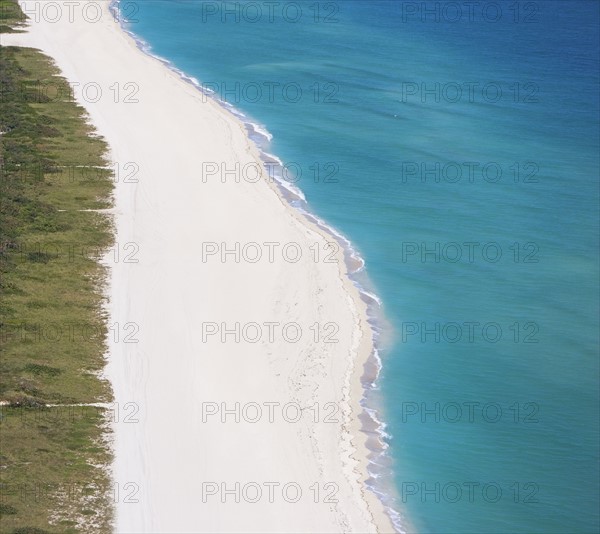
456 145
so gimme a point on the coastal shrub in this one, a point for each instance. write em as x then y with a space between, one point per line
48 216
39 369
6 509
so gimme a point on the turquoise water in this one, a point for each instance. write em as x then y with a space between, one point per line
528 319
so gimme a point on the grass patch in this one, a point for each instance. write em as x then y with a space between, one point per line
11 17
52 330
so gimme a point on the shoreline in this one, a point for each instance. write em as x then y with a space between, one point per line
355 386
371 428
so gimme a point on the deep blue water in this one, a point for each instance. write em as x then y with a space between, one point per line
515 100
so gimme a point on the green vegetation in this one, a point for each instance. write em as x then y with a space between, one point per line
52 329
11 16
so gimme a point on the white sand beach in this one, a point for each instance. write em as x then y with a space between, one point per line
191 467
